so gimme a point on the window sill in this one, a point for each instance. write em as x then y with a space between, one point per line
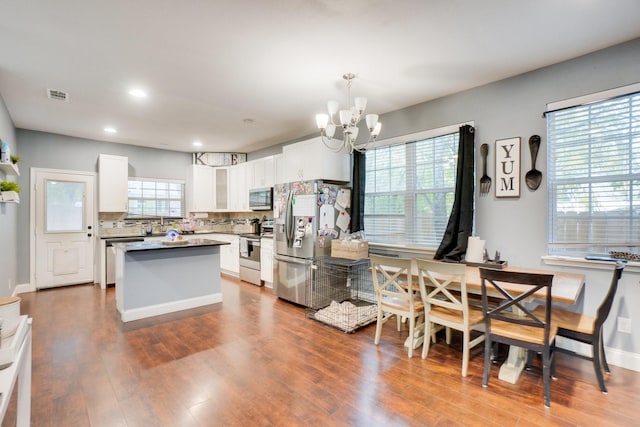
402 251
631 266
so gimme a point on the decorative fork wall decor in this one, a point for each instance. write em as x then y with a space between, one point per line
485 181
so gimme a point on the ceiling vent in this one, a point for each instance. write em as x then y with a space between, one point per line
58 95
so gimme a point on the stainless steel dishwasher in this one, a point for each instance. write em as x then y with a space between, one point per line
110 256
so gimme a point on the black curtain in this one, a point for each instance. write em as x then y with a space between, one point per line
357 193
454 242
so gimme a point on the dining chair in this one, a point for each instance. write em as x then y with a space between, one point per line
587 329
443 288
396 295
511 322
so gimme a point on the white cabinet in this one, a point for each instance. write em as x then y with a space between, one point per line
229 254
278 169
240 176
263 173
113 183
266 261
311 159
221 193
200 190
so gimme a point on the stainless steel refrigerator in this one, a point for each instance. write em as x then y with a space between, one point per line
305 222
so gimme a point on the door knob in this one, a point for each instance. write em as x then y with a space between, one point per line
89 234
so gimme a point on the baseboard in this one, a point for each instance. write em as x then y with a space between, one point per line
169 307
615 357
24 288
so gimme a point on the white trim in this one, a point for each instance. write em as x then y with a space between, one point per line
417 136
593 97
23 289
169 307
171 181
565 261
615 357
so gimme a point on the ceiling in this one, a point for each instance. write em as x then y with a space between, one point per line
246 74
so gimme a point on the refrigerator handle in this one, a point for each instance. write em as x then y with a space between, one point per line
288 220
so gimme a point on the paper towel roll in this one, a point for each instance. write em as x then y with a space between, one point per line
475 249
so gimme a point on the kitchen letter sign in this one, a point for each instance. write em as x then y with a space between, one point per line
508 167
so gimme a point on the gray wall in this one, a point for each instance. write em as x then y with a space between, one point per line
8 214
509 108
513 108
51 151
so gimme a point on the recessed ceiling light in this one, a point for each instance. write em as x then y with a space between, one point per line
197 143
138 93
110 129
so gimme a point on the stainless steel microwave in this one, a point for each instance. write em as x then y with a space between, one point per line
261 199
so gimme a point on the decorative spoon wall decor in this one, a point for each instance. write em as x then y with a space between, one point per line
534 176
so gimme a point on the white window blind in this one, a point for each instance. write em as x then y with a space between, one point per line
155 198
594 177
409 191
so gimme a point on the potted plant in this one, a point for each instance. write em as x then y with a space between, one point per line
10 191
15 159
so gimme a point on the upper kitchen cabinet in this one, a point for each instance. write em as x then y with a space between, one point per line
263 171
240 176
200 192
278 169
311 159
221 184
113 183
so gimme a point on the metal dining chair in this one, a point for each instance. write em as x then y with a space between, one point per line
588 329
511 322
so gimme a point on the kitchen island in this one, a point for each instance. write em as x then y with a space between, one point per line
154 278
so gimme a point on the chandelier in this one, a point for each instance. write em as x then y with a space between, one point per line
349 120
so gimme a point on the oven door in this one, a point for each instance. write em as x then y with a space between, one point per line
250 252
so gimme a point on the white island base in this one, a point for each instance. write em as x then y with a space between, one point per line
152 279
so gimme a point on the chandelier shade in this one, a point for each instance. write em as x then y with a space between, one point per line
348 120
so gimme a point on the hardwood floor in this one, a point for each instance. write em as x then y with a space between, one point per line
255 360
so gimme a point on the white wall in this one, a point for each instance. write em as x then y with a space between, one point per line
513 108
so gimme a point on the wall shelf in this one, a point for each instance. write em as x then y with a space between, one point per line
9 169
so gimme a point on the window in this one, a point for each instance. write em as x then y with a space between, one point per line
594 177
155 197
409 192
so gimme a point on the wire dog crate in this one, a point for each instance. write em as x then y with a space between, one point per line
342 295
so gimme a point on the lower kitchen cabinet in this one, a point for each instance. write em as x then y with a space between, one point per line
229 254
266 261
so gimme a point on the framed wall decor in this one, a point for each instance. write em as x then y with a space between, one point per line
508 167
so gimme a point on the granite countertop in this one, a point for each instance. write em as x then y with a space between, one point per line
118 235
150 246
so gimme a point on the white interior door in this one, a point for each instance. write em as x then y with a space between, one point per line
64 231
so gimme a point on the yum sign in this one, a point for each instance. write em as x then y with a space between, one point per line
508 167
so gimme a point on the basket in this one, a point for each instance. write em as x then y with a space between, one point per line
350 249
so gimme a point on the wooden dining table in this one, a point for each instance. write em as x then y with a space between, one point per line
566 289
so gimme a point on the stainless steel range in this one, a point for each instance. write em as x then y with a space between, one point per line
250 258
